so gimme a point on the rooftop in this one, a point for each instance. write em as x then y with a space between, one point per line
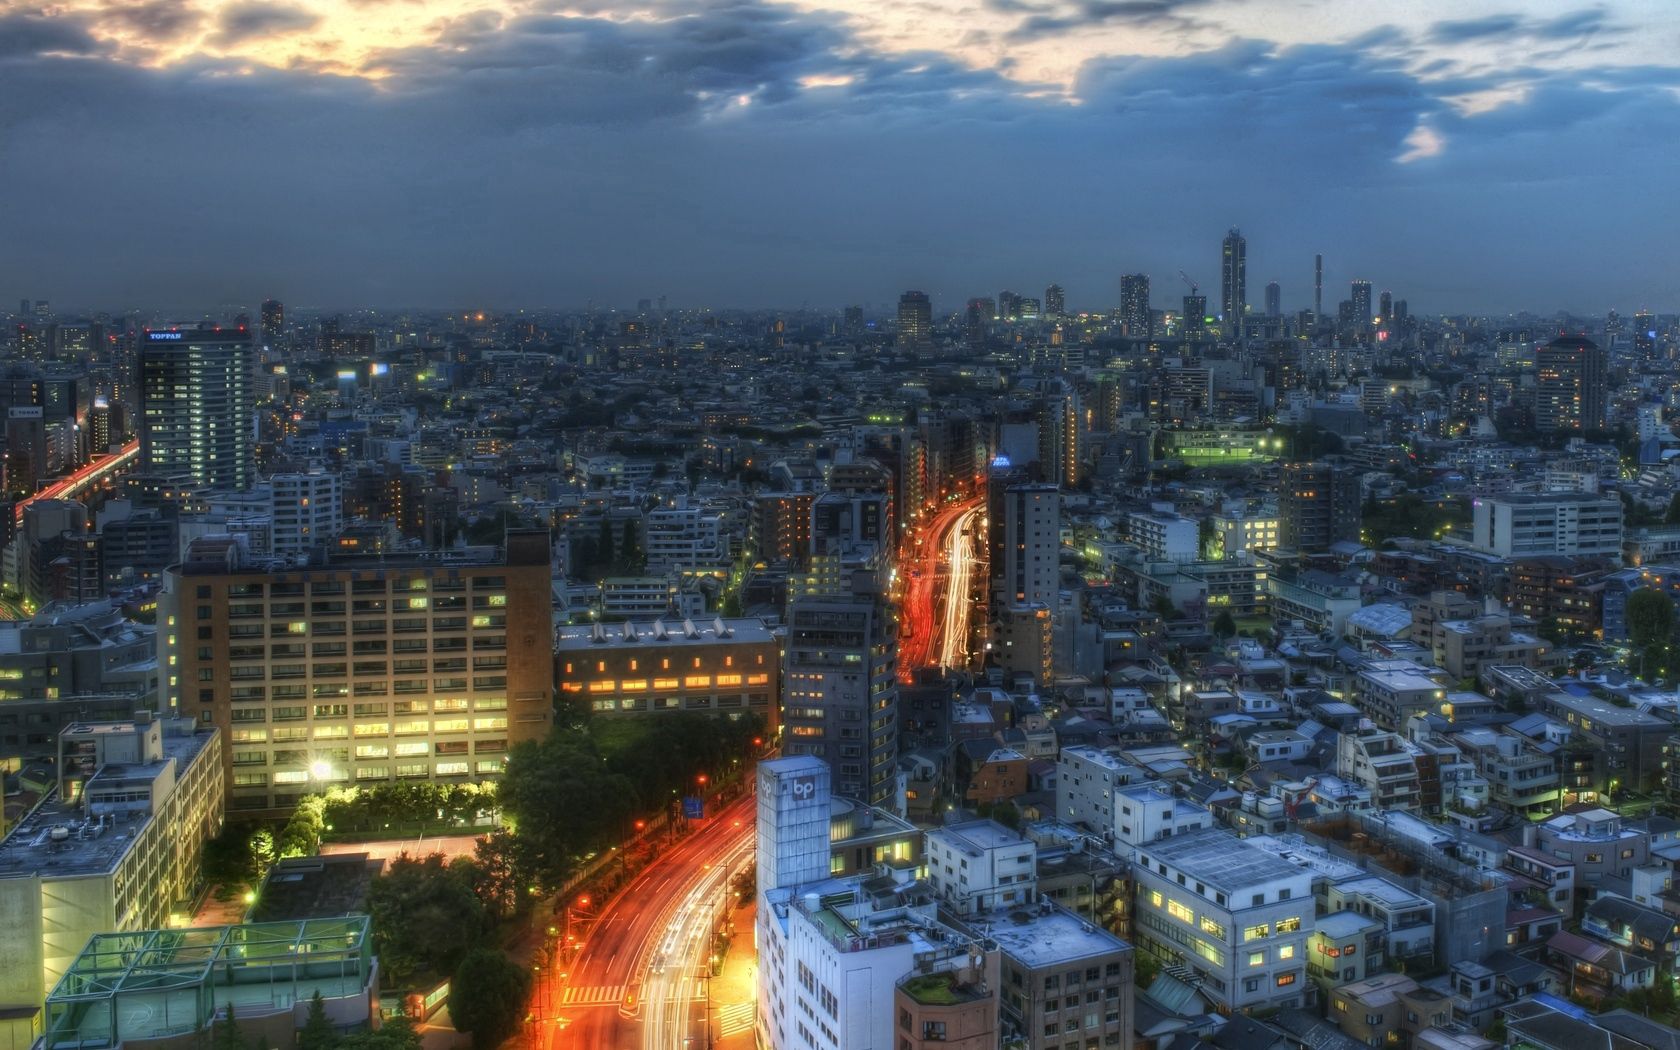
975 836
58 839
1051 936
717 631
1221 860
941 989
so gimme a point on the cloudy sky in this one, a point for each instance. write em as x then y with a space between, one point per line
1488 155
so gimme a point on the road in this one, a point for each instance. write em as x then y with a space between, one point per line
942 567
636 977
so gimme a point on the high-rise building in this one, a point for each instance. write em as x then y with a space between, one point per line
981 310
1361 300
1060 448
851 320
1318 505
1055 302
307 510
358 669
915 320
1233 281
1318 286
1274 300
840 688
1385 306
1574 385
1029 570
271 320
1135 319
196 405
1195 316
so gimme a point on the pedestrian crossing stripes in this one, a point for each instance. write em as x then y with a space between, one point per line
735 1018
593 994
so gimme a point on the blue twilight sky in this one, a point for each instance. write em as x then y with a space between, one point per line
1486 155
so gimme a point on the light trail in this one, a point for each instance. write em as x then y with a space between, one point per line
72 485
671 984
925 622
960 564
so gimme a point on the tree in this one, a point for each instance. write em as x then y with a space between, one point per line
1208 542
227 1036
562 802
1673 515
426 917
397 1033
1650 617
317 1032
630 556
1162 606
1224 626
487 997
604 543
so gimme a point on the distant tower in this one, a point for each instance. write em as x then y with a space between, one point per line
1573 385
1386 306
1318 287
915 320
981 310
1135 318
1361 300
1233 280
271 321
1054 301
195 405
1274 300
1195 312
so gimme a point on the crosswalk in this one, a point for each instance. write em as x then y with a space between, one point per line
592 995
734 1018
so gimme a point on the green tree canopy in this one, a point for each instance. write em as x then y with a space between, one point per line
563 802
1650 617
426 916
487 997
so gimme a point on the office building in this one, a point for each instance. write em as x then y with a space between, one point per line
1318 287
1029 570
1194 320
1573 384
1164 537
1233 281
1318 505
1569 523
1136 321
840 689
980 866
354 669
724 667
779 528
981 310
915 321
1237 916
196 405
116 846
686 539
1060 435
1274 300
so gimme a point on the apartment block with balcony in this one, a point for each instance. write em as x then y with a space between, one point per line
1407 920
1521 778
1380 762
355 669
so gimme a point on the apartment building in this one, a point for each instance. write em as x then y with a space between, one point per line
1381 763
72 663
1569 523
1063 981
729 667
356 669
1389 695
1235 914
1086 781
981 866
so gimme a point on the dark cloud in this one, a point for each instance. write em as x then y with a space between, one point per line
550 158
1086 14
1459 32
28 35
1568 26
251 19
156 21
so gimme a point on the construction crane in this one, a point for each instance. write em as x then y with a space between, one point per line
1194 288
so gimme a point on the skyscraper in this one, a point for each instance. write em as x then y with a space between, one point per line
1055 302
196 405
1385 306
271 320
915 320
1573 386
1135 318
981 310
1195 313
1274 300
1029 570
1318 287
1361 300
1233 281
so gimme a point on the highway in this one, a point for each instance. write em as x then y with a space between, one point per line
71 486
636 979
941 567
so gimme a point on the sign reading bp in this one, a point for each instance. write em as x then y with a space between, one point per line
803 789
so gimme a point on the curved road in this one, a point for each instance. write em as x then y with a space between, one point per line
643 951
935 628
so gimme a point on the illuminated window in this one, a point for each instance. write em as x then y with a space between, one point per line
372 728
665 683
418 603
758 679
633 685
697 681
450 725
1256 933
1256 958
1292 925
1155 898
1286 951
1180 912
571 687
605 685
1209 926
1286 979
497 722
728 679
297 627
450 769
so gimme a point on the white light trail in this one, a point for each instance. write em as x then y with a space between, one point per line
959 556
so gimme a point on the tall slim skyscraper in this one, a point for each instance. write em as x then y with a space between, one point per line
1135 318
981 310
915 320
271 321
1233 280
1274 300
1385 306
196 405
1030 568
1195 314
1318 287
1573 387
1361 300
1055 302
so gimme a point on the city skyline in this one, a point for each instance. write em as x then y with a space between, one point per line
1477 160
